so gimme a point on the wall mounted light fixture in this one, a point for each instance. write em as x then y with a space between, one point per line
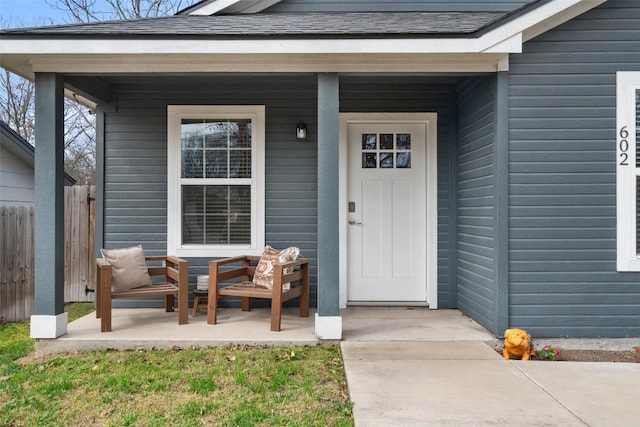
301 131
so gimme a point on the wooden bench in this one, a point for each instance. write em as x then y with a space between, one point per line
241 270
175 283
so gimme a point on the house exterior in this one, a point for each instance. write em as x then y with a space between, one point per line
17 186
463 154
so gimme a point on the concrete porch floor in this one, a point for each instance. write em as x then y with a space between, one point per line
154 328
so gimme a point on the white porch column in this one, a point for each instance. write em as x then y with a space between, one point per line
49 319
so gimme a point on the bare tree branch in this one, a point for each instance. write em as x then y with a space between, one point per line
16 104
84 11
17 94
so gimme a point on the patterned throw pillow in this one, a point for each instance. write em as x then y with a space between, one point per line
263 276
128 268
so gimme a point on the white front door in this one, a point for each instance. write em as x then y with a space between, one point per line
387 236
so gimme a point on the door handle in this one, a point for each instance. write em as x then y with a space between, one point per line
354 222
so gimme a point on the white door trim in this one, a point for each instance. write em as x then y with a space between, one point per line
431 152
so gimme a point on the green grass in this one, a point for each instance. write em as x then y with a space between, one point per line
14 337
228 386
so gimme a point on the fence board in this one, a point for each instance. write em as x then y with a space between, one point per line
29 262
3 261
21 248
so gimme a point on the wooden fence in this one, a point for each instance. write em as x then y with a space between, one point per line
16 253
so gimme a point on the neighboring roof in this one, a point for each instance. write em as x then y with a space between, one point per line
13 142
281 25
17 145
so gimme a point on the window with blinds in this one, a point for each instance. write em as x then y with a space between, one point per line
628 171
216 167
215 154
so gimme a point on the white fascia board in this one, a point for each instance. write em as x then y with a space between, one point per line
539 20
512 44
241 6
259 46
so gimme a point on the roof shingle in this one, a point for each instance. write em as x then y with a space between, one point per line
282 25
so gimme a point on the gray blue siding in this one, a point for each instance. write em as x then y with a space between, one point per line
562 198
476 278
296 6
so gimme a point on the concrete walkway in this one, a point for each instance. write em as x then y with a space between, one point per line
446 372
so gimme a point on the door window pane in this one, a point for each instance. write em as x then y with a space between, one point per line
403 160
369 160
403 141
386 160
386 141
369 141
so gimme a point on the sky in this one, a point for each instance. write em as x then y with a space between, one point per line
28 13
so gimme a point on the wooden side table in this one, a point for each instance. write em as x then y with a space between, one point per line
199 300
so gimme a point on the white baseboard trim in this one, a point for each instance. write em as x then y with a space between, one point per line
329 327
47 326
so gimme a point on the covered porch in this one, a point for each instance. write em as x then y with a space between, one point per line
305 183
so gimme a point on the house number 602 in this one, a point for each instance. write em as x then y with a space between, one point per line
623 146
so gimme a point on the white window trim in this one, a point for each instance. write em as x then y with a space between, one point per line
627 256
175 113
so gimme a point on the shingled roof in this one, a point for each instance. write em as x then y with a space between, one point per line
281 25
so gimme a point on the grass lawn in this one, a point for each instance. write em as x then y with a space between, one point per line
228 386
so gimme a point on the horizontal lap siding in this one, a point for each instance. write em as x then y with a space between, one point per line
16 180
414 94
562 183
136 159
295 6
475 200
